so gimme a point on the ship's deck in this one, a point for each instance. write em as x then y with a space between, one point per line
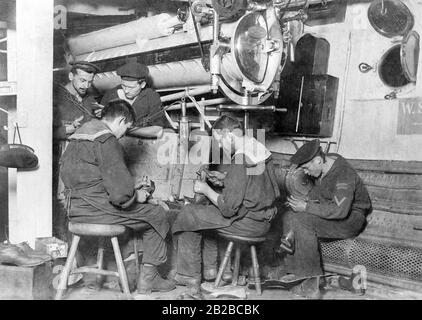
111 291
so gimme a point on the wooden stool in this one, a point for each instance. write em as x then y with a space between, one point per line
251 241
95 230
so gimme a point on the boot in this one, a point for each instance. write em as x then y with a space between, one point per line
193 283
287 243
151 281
10 254
210 274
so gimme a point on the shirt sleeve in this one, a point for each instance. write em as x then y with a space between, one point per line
231 199
154 117
59 130
339 206
117 179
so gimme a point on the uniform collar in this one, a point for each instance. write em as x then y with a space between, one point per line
253 150
91 130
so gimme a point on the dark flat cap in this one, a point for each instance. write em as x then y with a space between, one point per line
133 70
306 152
86 66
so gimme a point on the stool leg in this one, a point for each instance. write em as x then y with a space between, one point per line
236 266
255 266
120 266
136 252
100 261
64 276
224 264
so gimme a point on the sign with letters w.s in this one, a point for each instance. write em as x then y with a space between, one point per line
410 116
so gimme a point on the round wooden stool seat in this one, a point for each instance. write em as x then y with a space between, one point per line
235 238
98 230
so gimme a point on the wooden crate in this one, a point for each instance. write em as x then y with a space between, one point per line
26 283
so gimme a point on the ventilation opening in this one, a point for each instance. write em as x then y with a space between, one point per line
390 17
391 70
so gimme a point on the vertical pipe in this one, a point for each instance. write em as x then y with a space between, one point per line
300 104
246 101
183 105
246 120
183 146
215 59
216 26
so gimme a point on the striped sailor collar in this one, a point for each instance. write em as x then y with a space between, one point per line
91 131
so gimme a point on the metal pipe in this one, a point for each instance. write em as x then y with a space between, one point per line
236 107
298 3
216 26
192 92
215 57
300 104
183 107
246 121
202 103
145 28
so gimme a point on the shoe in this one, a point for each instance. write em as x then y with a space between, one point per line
287 243
24 246
11 254
308 288
151 281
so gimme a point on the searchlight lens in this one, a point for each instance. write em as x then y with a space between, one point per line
250 39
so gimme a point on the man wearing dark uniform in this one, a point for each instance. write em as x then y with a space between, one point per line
335 208
133 89
245 207
100 189
72 106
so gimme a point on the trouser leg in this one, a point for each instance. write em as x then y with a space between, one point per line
189 254
306 260
308 229
210 251
155 248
